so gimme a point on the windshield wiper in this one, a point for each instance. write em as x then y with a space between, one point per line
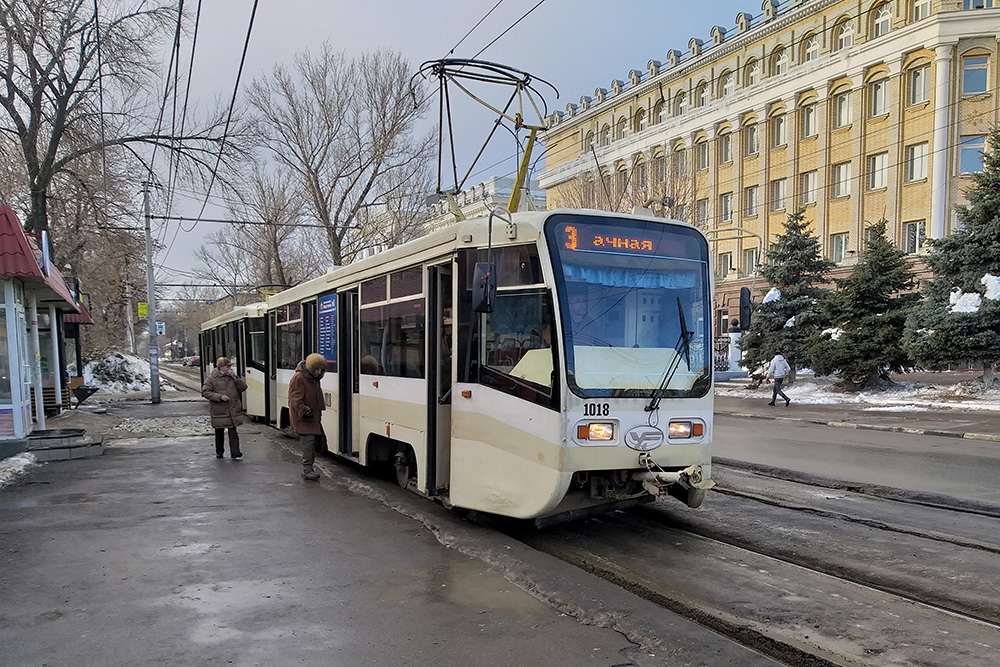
683 346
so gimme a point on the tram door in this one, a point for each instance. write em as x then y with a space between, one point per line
439 377
348 369
272 369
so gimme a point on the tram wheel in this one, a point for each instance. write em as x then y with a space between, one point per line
406 466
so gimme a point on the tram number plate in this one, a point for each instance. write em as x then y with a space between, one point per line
596 409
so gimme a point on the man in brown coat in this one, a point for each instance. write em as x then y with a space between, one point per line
305 407
223 388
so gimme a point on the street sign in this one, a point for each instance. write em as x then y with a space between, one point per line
143 308
161 328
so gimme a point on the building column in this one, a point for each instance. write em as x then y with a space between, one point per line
823 126
36 360
942 121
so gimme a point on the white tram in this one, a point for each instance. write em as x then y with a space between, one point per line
241 335
554 364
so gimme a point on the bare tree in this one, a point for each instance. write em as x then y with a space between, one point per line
51 85
344 127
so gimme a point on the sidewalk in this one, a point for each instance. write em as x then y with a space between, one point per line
928 409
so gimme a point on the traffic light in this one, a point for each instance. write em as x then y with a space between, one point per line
746 308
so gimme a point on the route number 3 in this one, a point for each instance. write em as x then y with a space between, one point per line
596 409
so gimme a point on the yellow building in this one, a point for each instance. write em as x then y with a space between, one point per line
854 110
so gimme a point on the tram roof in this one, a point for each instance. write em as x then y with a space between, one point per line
237 313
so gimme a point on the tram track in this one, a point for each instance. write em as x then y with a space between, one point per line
797 605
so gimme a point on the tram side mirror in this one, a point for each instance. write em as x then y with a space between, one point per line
484 287
746 308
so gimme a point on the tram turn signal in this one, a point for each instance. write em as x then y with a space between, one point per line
685 430
595 431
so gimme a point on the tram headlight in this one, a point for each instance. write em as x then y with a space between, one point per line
679 430
595 431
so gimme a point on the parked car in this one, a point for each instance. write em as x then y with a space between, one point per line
192 361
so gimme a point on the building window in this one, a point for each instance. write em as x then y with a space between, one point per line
778 131
810 128
842 179
728 84
920 84
622 128
878 171
639 179
810 51
725 264
780 62
702 212
605 136
921 9
640 120
809 187
622 181
682 162
753 141
703 156
750 199
842 109
916 162
589 141
839 244
913 233
753 74
975 75
880 97
702 95
845 35
977 4
750 260
659 112
680 104
778 195
726 207
661 169
970 158
726 148
882 21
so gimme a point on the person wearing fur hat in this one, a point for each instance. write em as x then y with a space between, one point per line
222 388
305 407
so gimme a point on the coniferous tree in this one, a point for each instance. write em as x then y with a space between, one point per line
936 335
867 314
794 266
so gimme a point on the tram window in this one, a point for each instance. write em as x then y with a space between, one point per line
289 345
408 282
392 339
258 342
294 311
281 314
373 291
516 266
518 346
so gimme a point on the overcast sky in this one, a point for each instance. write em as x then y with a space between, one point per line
577 45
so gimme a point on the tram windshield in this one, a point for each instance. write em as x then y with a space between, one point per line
624 288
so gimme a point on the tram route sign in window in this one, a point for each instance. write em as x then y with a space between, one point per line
327 321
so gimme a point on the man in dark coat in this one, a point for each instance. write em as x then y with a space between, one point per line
305 408
223 388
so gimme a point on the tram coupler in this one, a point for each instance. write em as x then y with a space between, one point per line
657 481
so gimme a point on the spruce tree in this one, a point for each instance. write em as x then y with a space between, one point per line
794 266
936 335
867 315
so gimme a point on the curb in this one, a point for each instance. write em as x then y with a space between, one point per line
991 437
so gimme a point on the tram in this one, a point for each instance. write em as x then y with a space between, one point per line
240 335
558 364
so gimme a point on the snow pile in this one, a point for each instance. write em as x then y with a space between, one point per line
168 426
992 284
119 372
964 303
834 333
13 468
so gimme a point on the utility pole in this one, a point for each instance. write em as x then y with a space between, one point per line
154 352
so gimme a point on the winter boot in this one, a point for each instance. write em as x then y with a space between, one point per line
771 403
787 401
310 474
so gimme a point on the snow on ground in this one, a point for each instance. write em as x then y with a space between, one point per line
12 468
168 426
119 373
906 397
